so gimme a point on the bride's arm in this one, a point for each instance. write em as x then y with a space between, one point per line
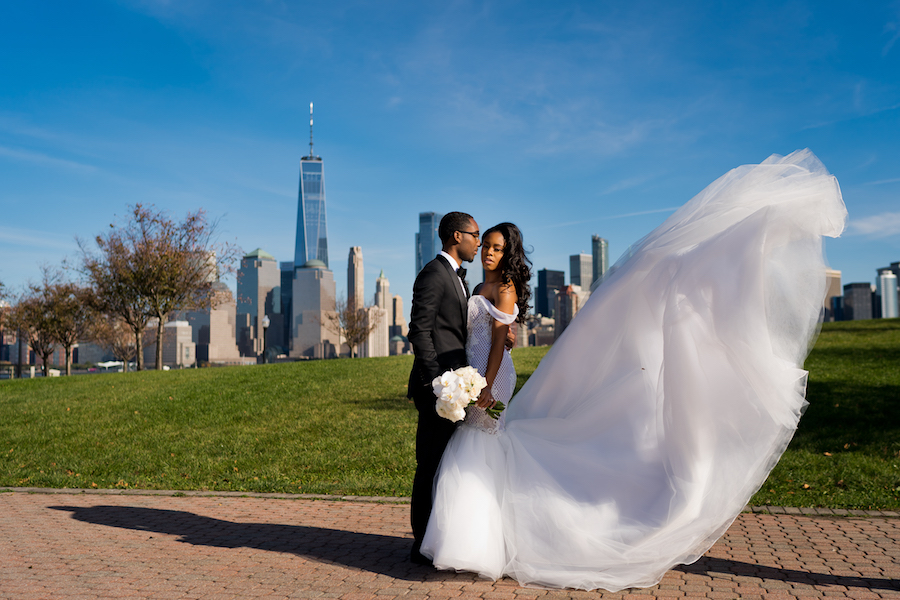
506 302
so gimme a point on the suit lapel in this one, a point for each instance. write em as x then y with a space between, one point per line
460 294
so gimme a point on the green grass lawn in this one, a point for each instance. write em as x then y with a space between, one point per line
846 452
346 427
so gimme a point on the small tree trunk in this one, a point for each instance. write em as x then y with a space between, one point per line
159 342
68 360
45 367
139 344
18 354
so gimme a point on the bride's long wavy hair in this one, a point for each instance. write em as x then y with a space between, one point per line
515 267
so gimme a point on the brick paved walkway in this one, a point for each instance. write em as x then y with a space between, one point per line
116 546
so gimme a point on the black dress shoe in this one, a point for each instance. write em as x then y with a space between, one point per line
418 558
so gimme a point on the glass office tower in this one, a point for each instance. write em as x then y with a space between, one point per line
600 254
312 236
428 242
549 283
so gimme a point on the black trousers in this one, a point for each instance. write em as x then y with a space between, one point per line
432 435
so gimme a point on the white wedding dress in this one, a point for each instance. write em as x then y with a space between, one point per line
465 530
663 406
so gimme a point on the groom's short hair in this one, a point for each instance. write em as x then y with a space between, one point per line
453 221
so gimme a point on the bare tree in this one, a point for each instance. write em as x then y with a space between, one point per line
185 264
116 274
116 336
33 317
53 313
70 313
153 266
351 324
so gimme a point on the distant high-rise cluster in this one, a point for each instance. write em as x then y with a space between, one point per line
388 326
865 300
555 303
283 310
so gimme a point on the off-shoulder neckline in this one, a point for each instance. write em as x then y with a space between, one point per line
493 308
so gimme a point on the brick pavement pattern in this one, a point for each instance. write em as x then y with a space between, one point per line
76 546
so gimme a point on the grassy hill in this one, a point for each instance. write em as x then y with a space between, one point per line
346 427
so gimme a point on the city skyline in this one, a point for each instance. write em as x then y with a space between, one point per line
568 120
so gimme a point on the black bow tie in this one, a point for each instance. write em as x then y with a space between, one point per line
462 273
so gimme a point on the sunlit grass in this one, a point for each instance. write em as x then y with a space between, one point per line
846 452
346 427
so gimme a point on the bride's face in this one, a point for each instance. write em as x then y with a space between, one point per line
492 246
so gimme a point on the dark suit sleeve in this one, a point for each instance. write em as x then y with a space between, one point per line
428 292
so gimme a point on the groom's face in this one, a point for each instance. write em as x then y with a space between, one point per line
469 242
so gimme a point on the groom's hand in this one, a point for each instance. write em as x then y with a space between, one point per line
511 338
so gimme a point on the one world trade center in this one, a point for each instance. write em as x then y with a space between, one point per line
312 236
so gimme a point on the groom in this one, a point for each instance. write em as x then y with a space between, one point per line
437 331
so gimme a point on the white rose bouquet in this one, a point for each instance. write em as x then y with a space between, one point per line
455 390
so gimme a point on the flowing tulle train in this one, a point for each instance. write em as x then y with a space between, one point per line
672 394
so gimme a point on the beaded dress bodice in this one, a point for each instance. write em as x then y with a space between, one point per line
481 315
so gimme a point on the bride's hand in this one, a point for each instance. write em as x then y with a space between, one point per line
486 399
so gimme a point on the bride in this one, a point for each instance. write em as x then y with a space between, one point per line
465 528
664 405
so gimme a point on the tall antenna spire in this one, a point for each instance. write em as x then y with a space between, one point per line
311 130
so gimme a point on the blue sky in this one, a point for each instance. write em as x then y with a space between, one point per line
567 118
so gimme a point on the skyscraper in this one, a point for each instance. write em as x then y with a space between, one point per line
428 242
832 290
600 255
399 321
286 268
886 286
259 296
312 237
383 293
857 301
581 271
549 282
313 300
379 317
356 296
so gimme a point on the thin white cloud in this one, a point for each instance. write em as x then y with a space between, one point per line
44 159
625 184
623 216
33 238
876 226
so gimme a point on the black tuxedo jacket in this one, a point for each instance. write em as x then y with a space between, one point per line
437 327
